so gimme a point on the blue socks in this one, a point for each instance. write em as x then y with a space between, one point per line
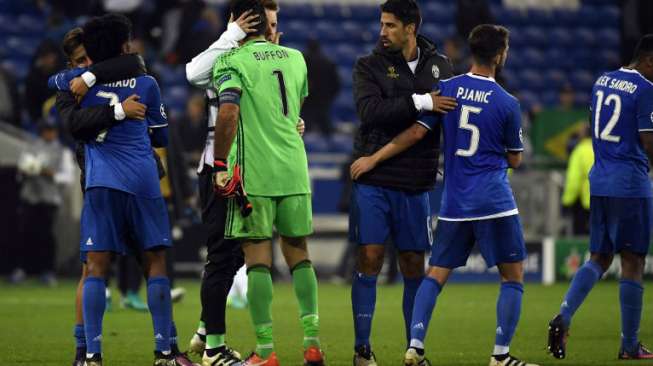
410 290
80 337
508 313
363 300
630 298
173 337
93 303
158 300
425 299
580 286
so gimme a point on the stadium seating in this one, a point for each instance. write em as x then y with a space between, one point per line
548 49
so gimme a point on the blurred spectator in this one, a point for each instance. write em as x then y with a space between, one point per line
470 14
47 60
323 85
454 48
636 22
198 29
9 102
44 169
543 4
192 128
566 98
576 196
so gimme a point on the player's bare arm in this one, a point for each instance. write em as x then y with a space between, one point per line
647 143
225 132
514 159
400 143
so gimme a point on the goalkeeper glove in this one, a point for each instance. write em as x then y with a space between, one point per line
231 187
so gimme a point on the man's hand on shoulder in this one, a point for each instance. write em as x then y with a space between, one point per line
133 108
442 104
78 87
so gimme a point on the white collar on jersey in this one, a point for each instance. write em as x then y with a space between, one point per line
481 77
633 71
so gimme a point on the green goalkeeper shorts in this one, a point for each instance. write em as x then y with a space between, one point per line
292 216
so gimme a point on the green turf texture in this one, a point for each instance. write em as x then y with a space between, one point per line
36 326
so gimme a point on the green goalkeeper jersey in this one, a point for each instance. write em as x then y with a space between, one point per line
268 148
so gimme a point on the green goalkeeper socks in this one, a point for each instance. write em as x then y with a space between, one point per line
259 295
305 285
214 341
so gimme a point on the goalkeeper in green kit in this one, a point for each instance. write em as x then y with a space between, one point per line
261 87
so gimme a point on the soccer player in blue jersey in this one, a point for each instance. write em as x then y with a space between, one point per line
482 139
620 202
123 196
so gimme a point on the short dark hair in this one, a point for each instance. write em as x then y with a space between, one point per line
238 7
405 10
104 36
270 5
644 47
486 41
71 41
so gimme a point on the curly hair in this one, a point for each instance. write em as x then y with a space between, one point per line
103 37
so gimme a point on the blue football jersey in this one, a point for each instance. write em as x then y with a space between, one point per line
622 106
121 157
477 134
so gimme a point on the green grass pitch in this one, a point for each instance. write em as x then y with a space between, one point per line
36 326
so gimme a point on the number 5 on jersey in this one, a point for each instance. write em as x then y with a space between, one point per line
464 124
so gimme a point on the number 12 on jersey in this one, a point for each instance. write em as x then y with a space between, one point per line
606 135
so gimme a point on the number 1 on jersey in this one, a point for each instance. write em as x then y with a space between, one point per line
464 124
282 90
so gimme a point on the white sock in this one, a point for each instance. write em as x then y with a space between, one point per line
416 343
500 350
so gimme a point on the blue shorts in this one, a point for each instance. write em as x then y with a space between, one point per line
119 222
377 213
500 240
618 224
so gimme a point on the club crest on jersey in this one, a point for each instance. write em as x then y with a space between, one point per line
652 117
163 111
436 71
392 73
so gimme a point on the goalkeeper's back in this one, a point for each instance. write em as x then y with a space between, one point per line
273 83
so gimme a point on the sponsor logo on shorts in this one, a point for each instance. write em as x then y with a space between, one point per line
89 241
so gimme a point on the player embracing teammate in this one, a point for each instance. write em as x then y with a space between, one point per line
482 139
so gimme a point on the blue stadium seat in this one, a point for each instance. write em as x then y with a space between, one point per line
610 16
22 46
583 97
542 18
532 80
559 58
583 58
556 78
439 12
608 59
585 37
517 36
329 31
346 77
532 57
30 25
565 18
535 36
515 59
346 54
16 67
511 78
560 37
609 37
588 16
582 80
549 98
527 99
365 13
